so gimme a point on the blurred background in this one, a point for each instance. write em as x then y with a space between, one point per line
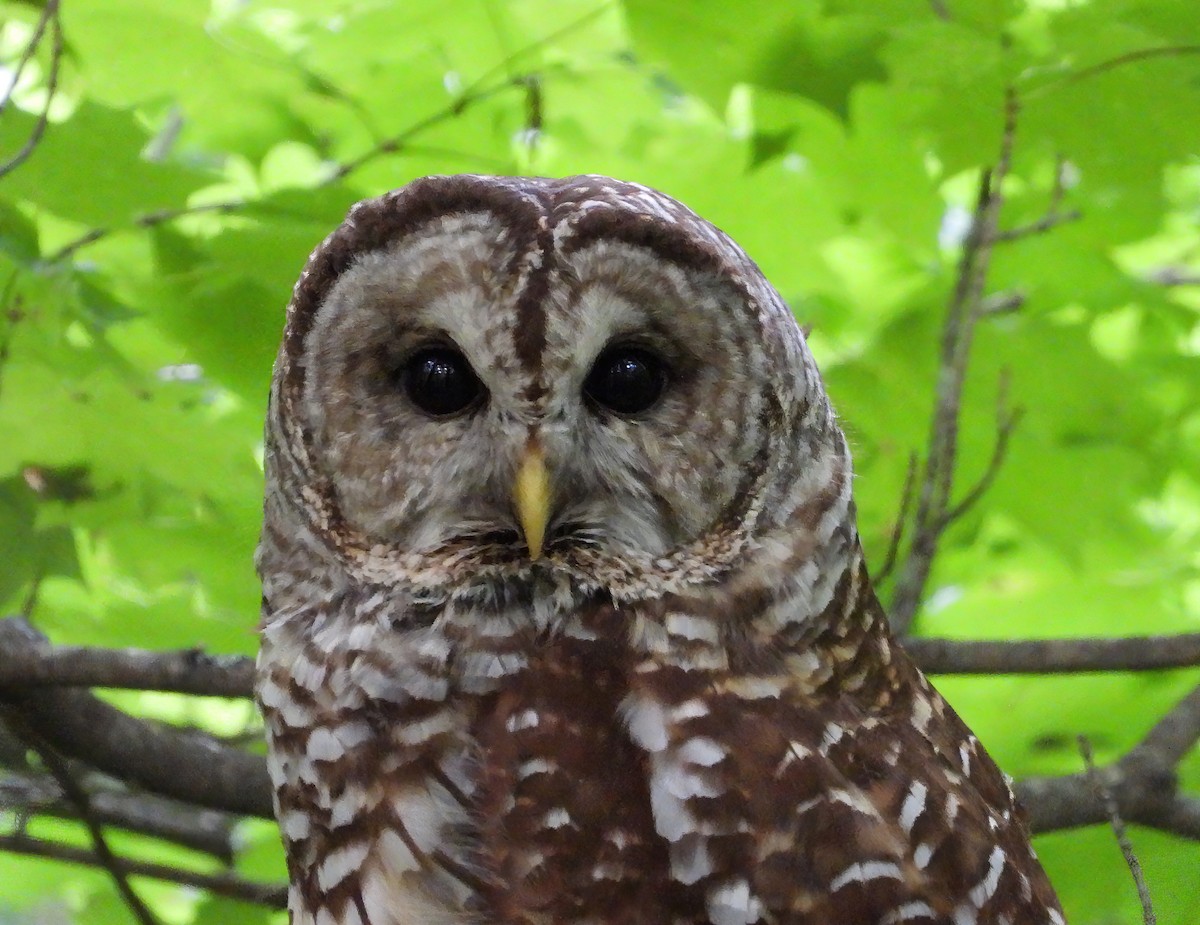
165 168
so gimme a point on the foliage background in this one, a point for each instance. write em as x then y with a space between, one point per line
840 142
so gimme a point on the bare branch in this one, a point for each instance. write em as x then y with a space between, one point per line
56 51
191 671
189 767
194 672
906 500
49 12
1131 57
1006 422
1118 827
1175 734
400 141
146 220
1046 223
963 312
205 830
264 894
1143 783
1173 276
1001 303
78 797
1054 656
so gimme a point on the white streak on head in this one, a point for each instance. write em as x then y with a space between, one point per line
909 911
322 746
425 729
687 626
855 800
832 735
535 766
647 723
689 709
952 807
986 888
703 751
672 819
914 805
749 687
864 872
527 719
732 903
922 713
690 859
340 863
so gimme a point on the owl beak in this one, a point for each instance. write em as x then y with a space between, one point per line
531 496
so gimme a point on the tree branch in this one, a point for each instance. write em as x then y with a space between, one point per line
78 797
189 767
207 830
964 311
1119 830
897 534
190 671
28 667
1143 783
1053 656
265 894
50 14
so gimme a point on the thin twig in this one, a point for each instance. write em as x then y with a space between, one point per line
1144 783
191 671
1001 303
1006 423
78 796
1053 656
1054 215
1119 830
234 887
398 142
144 221
49 11
1046 223
26 668
906 500
1173 276
964 311
39 128
207 830
1109 64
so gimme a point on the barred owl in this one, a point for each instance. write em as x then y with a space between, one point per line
565 616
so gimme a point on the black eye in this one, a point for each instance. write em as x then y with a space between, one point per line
440 381
626 380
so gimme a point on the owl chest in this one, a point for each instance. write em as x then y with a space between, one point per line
527 802
565 825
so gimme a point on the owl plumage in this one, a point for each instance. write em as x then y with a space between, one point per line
565 616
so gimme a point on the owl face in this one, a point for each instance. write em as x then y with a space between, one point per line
501 388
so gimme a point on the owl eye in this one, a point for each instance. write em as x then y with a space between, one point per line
626 380
440 381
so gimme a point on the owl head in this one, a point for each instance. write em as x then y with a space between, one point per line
485 377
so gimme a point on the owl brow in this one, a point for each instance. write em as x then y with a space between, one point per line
666 241
375 223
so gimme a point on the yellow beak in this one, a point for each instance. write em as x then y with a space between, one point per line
531 497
